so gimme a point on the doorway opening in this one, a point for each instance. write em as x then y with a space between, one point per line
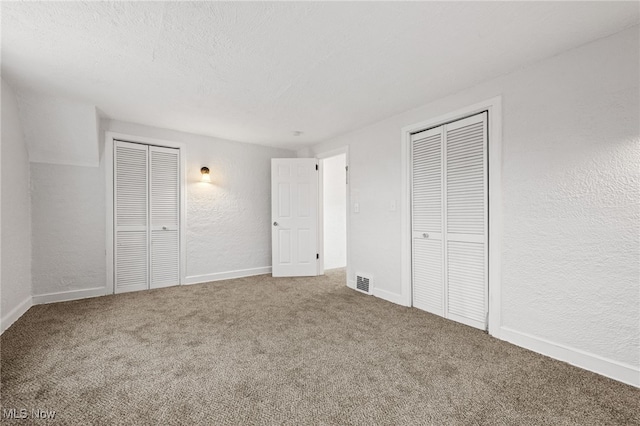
334 209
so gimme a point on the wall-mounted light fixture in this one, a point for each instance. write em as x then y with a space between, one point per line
205 174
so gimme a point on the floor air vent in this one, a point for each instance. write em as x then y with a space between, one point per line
364 283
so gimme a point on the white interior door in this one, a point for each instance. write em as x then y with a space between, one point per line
131 254
450 220
164 198
294 216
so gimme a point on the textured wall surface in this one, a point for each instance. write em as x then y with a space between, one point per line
59 131
68 220
334 212
228 220
570 196
15 217
572 202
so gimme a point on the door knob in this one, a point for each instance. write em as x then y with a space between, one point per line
425 235
275 223
164 228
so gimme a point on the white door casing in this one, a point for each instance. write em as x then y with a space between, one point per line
111 141
294 217
320 157
493 107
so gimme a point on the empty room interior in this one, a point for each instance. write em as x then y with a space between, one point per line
347 213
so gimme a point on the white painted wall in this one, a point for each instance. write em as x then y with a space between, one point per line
15 280
229 220
68 222
570 199
334 211
59 131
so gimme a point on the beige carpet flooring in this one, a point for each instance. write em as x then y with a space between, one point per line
285 351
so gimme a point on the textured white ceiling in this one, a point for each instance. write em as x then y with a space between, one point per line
256 72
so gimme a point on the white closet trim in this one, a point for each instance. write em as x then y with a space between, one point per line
494 107
110 137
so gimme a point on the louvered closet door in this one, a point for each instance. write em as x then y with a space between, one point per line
466 220
164 200
449 220
131 217
427 220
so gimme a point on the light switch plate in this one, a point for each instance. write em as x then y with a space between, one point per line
356 207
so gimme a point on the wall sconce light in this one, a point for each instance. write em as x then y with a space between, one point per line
205 174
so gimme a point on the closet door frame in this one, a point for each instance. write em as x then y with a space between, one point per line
110 138
494 152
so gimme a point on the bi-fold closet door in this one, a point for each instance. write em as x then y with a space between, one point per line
450 220
147 217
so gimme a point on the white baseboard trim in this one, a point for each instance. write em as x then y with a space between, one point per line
382 294
218 276
65 296
388 296
15 313
613 369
